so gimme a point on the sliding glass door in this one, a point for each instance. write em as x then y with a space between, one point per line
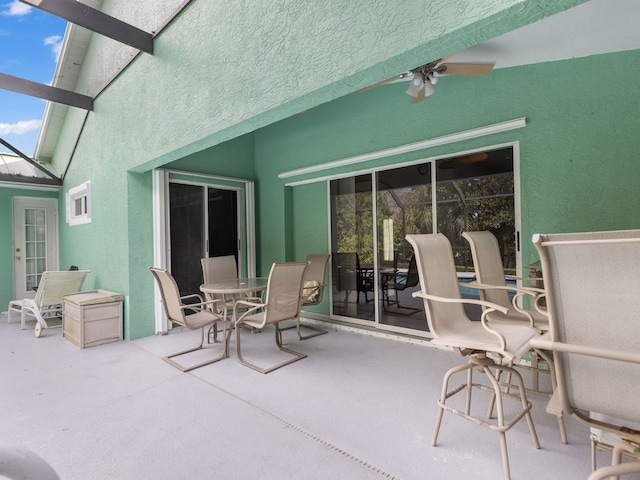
203 223
404 206
352 248
374 274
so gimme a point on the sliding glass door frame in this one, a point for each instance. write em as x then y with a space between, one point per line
161 215
433 162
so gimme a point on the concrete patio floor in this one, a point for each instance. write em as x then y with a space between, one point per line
361 406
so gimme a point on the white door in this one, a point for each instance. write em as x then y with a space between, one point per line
35 242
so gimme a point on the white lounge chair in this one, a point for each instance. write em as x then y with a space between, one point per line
46 306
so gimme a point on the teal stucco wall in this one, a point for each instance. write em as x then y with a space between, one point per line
579 150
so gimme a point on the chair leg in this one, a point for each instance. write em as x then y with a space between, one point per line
554 383
14 306
182 368
486 364
278 334
317 331
411 310
446 394
298 326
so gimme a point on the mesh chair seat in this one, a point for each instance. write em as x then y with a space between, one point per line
592 284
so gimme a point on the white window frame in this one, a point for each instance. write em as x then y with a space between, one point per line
80 193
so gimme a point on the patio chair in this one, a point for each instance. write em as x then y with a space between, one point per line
282 301
46 306
490 276
312 292
488 346
489 270
214 269
205 314
592 286
365 280
399 281
349 276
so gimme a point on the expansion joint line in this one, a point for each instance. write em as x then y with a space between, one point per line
313 437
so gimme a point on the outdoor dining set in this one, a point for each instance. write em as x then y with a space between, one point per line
235 303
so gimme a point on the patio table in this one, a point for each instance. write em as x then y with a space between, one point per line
234 289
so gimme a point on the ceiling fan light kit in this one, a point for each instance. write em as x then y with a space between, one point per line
415 85
425 77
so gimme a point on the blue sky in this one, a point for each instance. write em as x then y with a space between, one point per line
30 42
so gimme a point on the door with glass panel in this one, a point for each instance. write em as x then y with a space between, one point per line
353 259
203 223
374 274
404 206
35 242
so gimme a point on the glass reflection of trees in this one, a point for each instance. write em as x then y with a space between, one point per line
471 197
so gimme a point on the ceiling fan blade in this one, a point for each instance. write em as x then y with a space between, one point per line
420 97
384 82
465 68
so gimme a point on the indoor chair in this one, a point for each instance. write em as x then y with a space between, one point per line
491 348
399 281
46 305
592 284
204 314
282 301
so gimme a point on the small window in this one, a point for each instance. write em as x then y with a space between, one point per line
79 204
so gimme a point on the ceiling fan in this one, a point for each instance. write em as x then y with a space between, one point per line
425 77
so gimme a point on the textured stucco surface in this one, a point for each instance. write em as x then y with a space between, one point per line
222 69
225 69
578 153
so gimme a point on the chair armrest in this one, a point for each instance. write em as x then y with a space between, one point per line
193 295
524 279
488 307
538 306
198 307
536 293
523 290
253 307
472 301
544 342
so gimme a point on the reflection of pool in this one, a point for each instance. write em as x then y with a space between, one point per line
473 292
